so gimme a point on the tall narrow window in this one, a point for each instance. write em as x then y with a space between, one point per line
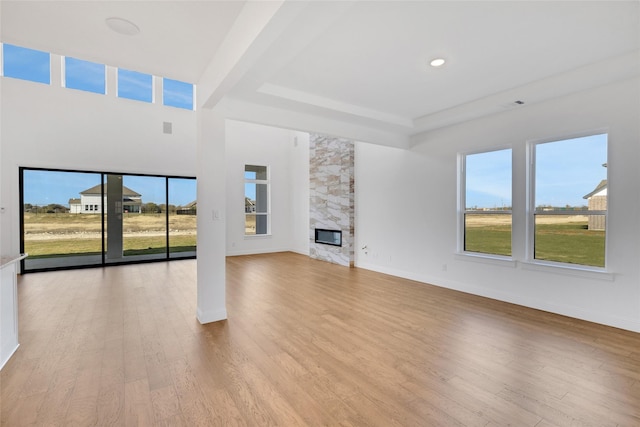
486 221
26 64
135 85
84 75
177 94
256 200
568 219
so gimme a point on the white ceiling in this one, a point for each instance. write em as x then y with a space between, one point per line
359 62
177 39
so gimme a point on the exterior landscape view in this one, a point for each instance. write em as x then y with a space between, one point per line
70 226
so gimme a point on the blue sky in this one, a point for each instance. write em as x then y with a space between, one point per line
27 64
34 65
565 172
46 187
488 179
85 75
42 187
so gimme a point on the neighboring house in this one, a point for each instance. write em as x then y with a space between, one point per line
75 206
597 202
188 209
249 205
89 201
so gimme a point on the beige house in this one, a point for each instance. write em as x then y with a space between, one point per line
597 202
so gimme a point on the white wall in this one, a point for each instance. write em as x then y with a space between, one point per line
299 190
212 220
285 152
405 199
52 127
406 208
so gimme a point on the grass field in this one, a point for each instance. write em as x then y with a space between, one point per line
56 235
557 238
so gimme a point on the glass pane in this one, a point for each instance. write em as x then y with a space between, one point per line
255 172
488 180
182 217
488 234
256 198
250 224
61 217
255 224
84 75
134 85
144 217
574 239
488 188
26 64
568 171
177 94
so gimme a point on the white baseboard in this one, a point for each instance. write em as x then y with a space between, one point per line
211 315
4 362
569 311
256 251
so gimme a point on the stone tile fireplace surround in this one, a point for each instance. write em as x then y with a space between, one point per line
331 204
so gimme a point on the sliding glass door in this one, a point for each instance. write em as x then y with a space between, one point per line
182 217
60 226
73 219
137 229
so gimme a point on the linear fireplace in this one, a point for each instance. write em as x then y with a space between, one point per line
329 237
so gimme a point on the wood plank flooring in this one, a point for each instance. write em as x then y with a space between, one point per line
306 343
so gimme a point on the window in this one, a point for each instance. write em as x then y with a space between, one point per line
26 64
569 201
486 203
177 94
77 218
84 75
134 85
256 200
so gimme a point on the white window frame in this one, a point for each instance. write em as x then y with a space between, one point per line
268 213
531 210
463 211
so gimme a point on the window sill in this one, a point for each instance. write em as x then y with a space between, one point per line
568 269
549 267
487 259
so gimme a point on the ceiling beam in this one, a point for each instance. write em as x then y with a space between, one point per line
255 29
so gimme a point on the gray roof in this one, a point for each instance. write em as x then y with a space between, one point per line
599 188
97 189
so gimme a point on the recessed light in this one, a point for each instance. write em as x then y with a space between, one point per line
122 26
437 62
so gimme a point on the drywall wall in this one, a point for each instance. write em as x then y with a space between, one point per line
212 220
406 208
299 190
281 151
53 127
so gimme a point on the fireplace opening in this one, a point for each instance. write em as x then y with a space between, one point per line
329 237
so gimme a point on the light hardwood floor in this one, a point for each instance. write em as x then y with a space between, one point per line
306 343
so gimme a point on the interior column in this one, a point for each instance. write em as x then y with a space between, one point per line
211 217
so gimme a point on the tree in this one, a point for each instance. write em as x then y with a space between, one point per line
150 207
